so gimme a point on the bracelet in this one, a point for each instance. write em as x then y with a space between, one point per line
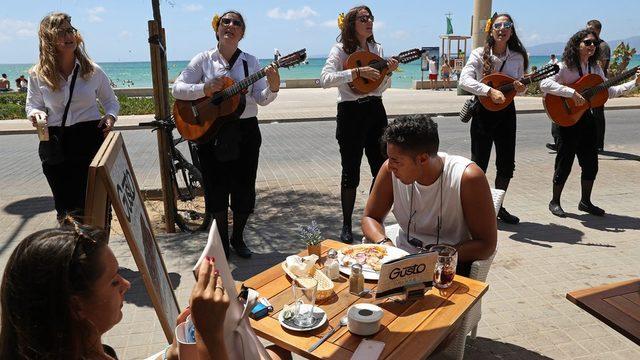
357 72
164 354
384 241
274 91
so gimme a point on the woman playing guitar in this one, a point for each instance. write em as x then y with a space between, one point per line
579 59
229 160
503 52
361 118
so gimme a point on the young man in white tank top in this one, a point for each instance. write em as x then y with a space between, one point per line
435 197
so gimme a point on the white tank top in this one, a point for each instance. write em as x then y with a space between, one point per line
426 207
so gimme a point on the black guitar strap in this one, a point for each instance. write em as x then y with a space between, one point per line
233 59
246 68
580 70
503 64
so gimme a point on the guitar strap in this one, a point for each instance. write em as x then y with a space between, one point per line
580 70
503 64
233 59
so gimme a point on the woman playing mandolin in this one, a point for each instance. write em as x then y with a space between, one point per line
229 160
579 59
361 118
503 52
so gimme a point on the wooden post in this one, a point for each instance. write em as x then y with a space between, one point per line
161 96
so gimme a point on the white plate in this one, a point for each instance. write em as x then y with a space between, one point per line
368 273
317 313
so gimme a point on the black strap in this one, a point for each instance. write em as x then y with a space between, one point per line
503 63
580 69
246 68
73 84
233 59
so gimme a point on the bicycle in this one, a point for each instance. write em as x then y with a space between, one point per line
186 178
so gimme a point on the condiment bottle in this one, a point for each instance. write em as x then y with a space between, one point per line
331 265
356 280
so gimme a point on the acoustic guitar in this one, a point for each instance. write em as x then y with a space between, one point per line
361 85
564 111
199 120
504 83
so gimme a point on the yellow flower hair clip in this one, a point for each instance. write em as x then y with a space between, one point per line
487 27
341 21
215 22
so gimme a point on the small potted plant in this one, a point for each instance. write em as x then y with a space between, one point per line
312 236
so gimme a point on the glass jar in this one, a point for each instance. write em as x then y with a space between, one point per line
356 280
331 265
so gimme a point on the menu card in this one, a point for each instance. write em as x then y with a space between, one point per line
405 271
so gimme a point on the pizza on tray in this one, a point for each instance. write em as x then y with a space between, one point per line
368 255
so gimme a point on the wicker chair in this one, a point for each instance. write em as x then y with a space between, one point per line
479 271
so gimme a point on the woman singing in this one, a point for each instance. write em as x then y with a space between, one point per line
361 118
580 57
63 87
230 160
503 52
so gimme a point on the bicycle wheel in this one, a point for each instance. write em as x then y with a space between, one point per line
190 209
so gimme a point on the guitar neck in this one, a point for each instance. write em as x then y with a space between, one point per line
242 84
609 83
380 64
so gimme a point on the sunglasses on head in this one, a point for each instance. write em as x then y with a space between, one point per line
503 25
365 18
590 42
67 30
227 22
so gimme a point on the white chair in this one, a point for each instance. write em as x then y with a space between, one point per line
479 271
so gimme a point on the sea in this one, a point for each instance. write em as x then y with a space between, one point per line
138 74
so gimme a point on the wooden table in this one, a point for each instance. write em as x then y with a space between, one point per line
617 305
410 330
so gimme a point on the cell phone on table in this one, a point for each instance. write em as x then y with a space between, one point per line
368 350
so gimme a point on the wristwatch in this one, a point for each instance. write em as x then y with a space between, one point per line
384 241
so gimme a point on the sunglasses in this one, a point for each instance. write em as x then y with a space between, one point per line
503 25
67 30
590 42
228 22
365 18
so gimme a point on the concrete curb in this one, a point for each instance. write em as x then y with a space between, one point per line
295 120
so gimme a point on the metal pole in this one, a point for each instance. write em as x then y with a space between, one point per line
481 12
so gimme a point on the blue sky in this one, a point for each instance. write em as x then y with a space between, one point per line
116 30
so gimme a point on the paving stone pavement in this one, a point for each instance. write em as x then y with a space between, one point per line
525 313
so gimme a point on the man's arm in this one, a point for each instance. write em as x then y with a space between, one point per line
477 206
378 205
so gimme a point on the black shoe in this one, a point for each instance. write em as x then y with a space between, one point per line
552 147
206 224
600 150
506 217
556 210
241 248
590 208
346 236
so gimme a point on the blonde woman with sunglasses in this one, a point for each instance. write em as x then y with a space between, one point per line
65 88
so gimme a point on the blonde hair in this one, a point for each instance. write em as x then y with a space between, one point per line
47 67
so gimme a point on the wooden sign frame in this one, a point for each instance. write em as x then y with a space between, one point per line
112 180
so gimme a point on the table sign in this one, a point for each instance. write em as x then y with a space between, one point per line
406 272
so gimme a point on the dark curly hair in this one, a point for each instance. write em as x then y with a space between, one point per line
44 271
571 54
347 35
513 44
414 133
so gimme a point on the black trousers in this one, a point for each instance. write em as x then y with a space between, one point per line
359 127
68 180
580 140
499 128
598 114
229 166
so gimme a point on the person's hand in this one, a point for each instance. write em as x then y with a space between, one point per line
34 119
519 86
273 78
578 99
638 77
369 73
496 96
208 303
106 124
213 86
393 64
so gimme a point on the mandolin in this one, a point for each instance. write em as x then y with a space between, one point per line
504 83
564 111
361 85
199 120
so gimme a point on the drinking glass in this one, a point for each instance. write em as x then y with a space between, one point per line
445 266
304 297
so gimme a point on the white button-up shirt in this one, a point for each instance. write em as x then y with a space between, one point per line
472 72
83 107
555 85
333 73
211 64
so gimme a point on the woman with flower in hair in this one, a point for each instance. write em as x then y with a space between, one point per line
229 160
361 118
504 53
580 57
62 88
